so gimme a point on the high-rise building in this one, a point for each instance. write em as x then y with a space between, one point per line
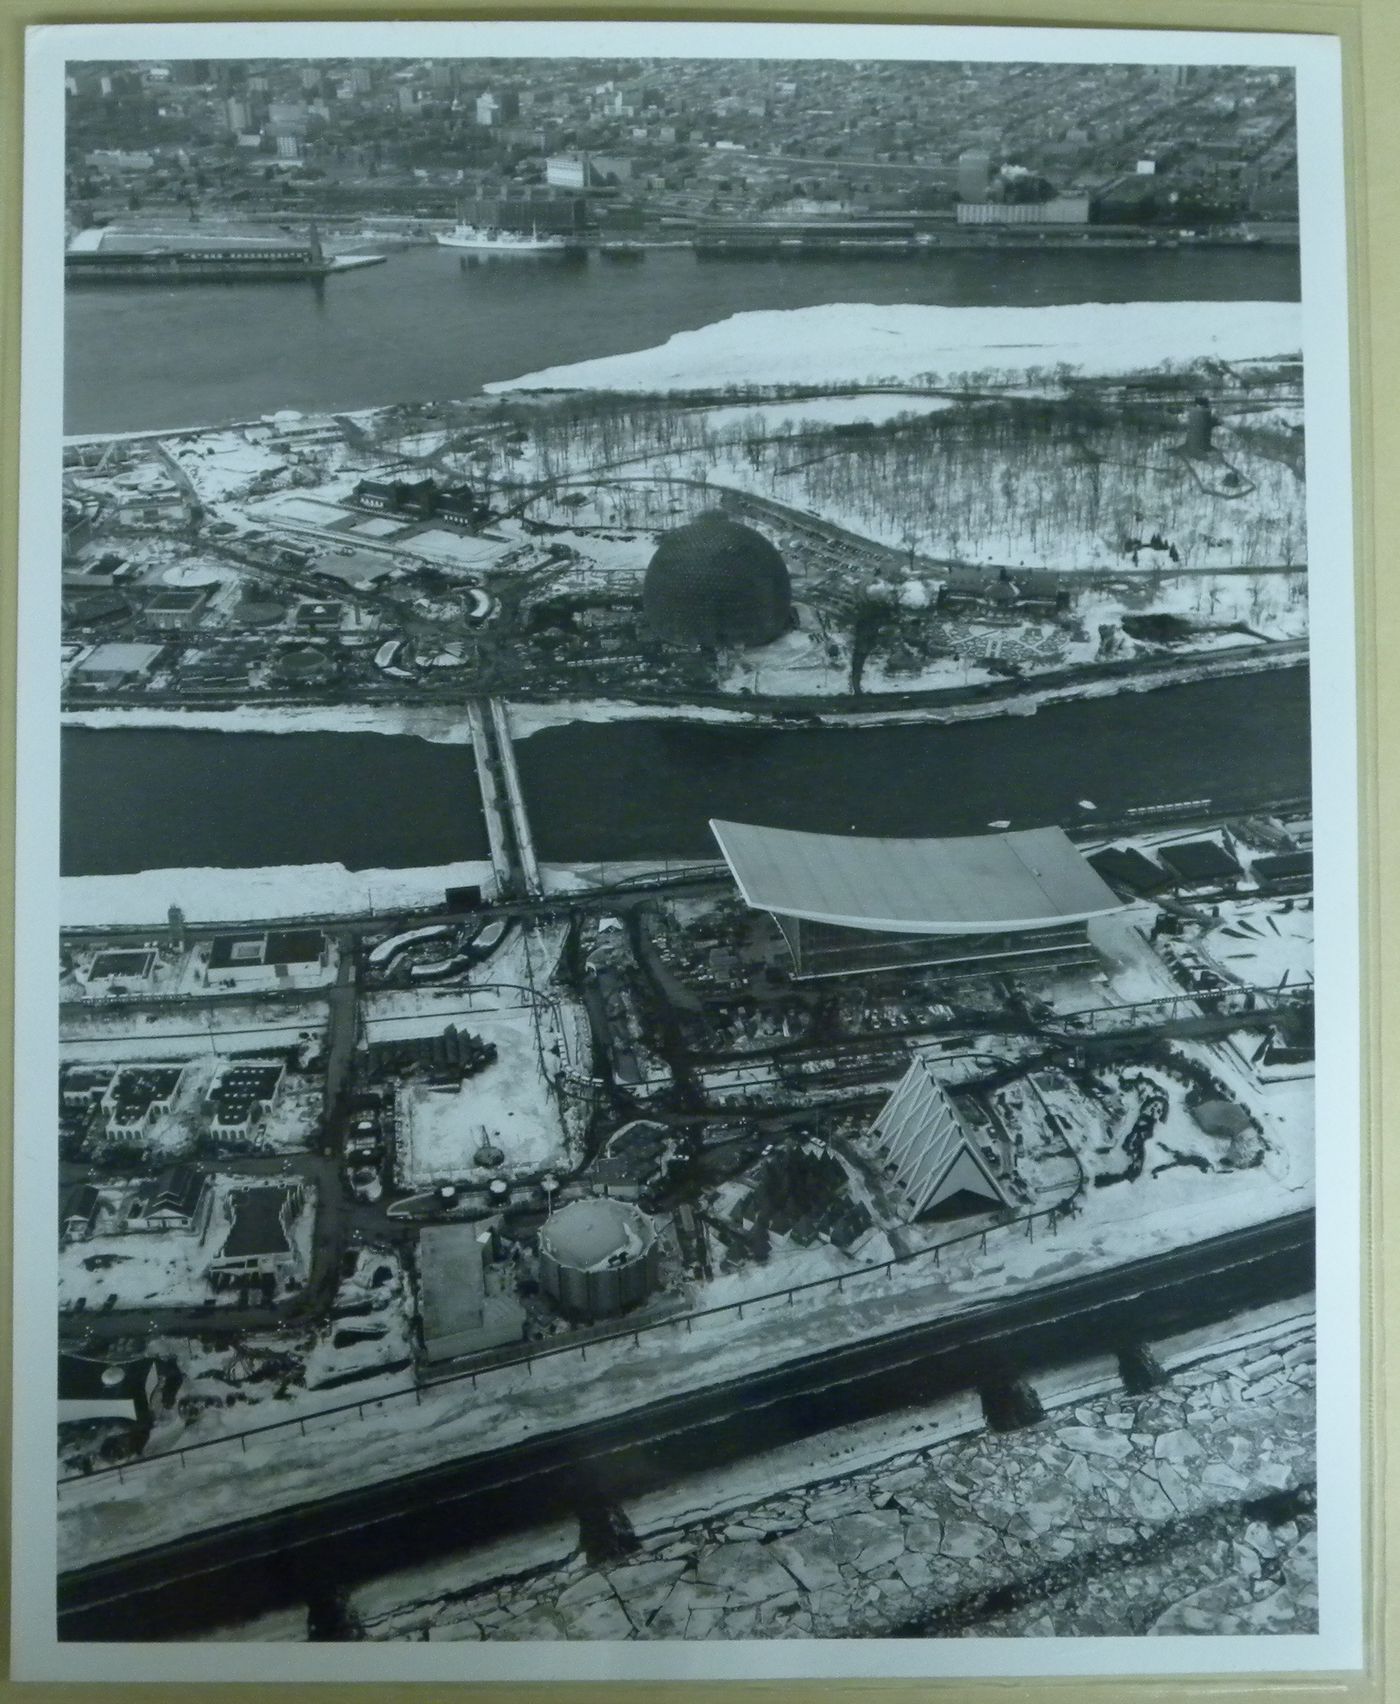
974 174
497 108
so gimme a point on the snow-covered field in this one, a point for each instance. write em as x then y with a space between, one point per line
509 1105
512 1103
464 551
873 408
98 1035
1261 942
223 464
153 1269
275 891
863 343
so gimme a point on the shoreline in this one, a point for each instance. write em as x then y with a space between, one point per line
443 725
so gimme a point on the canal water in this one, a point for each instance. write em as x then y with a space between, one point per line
429 325
147 798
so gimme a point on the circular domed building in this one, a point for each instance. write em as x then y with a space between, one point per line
715 582
598 1256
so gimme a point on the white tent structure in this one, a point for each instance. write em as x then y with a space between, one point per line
927 1154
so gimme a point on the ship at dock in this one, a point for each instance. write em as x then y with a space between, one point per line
485 239
225 263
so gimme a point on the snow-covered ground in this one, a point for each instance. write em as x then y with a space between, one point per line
874 408
97 1035
102 1518
1261 942
507 1105
437 724
165 1269
216 895
511 1103
862 343
223 464
152 1269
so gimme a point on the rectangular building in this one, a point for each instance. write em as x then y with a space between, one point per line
1060 210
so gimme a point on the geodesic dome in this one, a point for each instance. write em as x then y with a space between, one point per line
716 582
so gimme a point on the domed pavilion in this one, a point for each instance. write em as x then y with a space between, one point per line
715 583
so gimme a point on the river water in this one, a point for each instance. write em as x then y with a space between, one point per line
428 326
424 326
159 798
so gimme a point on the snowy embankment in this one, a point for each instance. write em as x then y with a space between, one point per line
861 343
441 726
262 894
285 892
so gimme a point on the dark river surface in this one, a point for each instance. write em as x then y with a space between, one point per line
426 327
159 798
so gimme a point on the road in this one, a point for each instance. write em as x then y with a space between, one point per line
242 1568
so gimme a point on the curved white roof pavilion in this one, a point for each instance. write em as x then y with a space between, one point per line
971 885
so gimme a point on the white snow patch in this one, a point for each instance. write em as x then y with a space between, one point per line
263 893
862 343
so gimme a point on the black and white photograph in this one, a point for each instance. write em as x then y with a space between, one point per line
687 855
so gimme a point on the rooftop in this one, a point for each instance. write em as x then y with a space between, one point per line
923 887
257 1223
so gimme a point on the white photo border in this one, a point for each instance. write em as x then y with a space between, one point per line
1338 1646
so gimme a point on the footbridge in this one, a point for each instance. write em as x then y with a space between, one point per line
513 863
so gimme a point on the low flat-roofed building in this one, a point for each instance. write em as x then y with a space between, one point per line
121 964
1294 869
105 1390
353 568
455 1312
118 663
266 957
1130 869
138 1095
972 904
243 1094
1200 863
319 617
177 607
259 1240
